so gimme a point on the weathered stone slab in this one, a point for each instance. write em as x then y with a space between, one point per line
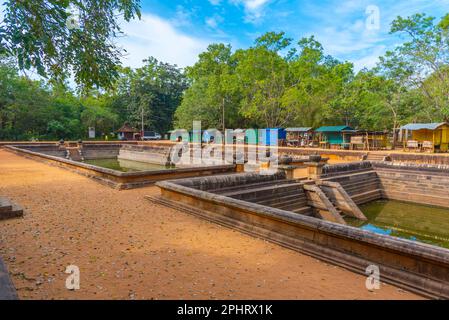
9 210
7 289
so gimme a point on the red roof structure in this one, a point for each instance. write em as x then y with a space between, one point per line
126 128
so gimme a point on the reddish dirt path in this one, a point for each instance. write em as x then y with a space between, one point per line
127 247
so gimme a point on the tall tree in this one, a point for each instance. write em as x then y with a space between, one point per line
264 77
47 37
423 59
152 93
214 95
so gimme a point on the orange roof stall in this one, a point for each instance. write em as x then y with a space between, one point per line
127 132
426 136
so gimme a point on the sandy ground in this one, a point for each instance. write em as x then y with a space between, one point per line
129 248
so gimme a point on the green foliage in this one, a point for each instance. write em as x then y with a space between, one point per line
422 62
213 86
153 91
275 83
37 34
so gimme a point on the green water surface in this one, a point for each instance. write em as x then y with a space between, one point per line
411 221
126 165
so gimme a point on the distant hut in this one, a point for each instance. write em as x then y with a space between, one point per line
432 137
369 140
127 132
335 137
299 137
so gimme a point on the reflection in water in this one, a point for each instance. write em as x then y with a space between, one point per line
406 220
126 165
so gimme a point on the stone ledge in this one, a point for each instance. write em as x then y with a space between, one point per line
7 289
415 266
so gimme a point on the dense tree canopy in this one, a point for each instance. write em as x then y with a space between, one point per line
277 82
30 109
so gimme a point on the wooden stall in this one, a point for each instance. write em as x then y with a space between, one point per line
430 137
335 137
368 140
299 137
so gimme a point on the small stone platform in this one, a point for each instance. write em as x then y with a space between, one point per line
9 210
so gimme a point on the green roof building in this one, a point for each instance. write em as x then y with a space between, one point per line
335 135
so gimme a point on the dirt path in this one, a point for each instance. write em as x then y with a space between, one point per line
127 247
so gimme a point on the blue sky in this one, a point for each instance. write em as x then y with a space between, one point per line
177 31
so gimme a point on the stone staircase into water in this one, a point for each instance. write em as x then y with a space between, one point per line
362 187
373 156
286 195
9 210
74 154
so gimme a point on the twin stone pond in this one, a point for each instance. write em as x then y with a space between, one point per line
416 222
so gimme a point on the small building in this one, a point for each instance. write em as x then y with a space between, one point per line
299 137
432 137
335 137
127 132
369 140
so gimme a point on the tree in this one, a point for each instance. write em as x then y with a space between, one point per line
263 75
96 114
38 35
423 59
153 92
214 94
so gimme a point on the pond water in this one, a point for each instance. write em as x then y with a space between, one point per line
410 221
126 165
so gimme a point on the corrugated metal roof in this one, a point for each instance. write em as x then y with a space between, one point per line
300 129
422 126
333 129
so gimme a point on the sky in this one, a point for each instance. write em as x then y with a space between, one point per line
176 31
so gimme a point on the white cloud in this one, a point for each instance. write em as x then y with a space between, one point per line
215 2
212 22
254 9
369 60
154 36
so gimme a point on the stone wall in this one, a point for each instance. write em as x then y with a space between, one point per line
414 183
50 149
100 151
148 154
417 267
339 169
89 151
222 181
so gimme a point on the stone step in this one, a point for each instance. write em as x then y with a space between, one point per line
270 189
360 183
256 197
357 180
221 191
367 196
353 175
9 210
283 200
5 205
362 188
307 211
291 206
